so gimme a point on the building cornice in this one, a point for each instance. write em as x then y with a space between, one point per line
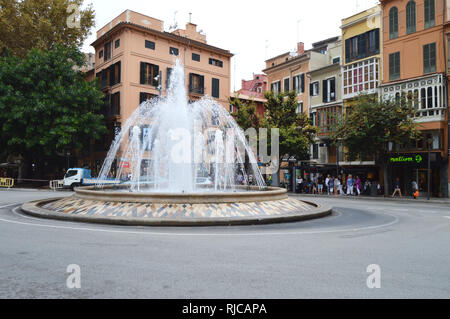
165 35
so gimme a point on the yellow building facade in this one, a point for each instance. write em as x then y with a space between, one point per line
361 73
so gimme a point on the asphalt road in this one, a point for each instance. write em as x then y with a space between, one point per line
326 258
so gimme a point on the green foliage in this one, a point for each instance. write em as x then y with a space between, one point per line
46 106
370 124
245 115
296 131
41 24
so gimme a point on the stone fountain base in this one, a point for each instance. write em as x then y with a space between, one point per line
165 209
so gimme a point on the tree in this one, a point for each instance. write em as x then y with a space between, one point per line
41 24
245 114
372 123
46 106
296 131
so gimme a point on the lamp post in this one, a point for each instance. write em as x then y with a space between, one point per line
429 141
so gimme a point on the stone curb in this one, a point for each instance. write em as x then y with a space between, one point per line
387 199
33 209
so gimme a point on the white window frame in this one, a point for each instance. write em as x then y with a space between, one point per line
314 86
354 87
276 90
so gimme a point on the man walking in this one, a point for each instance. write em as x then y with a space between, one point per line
350 185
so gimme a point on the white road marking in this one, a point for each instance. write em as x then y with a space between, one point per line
9 205
396 220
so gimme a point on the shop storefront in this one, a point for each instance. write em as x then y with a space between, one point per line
414 167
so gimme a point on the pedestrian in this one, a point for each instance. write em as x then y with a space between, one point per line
330 187
250 179
415 189
350 185
299 184
358 185
327 184
320 184
397 188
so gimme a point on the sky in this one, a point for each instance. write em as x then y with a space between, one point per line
253 30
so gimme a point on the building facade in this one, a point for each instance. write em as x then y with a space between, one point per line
326 107
252 91
133 60
361 73
415 55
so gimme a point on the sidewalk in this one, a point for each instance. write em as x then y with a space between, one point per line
403 199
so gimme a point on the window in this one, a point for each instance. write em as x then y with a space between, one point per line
168 74
117 44
173 51
394 66
215 62
429 58
315 151
115 104
276 87
300 108
393 23
100 54
287 85
429 13
299 83
360 76
143 96
149 74
150 45
107 50
196 83
361 46
215 88
195 57
329 90
411 17
314 89
114 74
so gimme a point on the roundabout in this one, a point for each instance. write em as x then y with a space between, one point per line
114 205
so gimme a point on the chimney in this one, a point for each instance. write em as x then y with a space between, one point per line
300 48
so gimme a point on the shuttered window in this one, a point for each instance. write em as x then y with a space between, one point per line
411 17
429 58
393 23
196 83
429 14
215 88
149 73
195 57
150 45
287 85
394 66
168 75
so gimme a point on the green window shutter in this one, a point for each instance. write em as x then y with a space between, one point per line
325 91
155 74
202 84
143 73
215 88
302 79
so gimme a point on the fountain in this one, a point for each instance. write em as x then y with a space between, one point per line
186 164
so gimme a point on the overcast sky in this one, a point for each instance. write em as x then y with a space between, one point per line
253 30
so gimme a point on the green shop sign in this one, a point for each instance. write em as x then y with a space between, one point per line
409 159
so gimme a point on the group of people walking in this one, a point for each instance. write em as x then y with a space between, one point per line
331 185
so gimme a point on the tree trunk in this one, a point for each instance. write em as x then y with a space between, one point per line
386 173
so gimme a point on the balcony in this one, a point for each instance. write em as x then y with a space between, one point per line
431 97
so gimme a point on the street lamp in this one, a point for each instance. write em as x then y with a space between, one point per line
429 141
68 159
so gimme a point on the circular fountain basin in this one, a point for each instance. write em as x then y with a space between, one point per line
112 205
